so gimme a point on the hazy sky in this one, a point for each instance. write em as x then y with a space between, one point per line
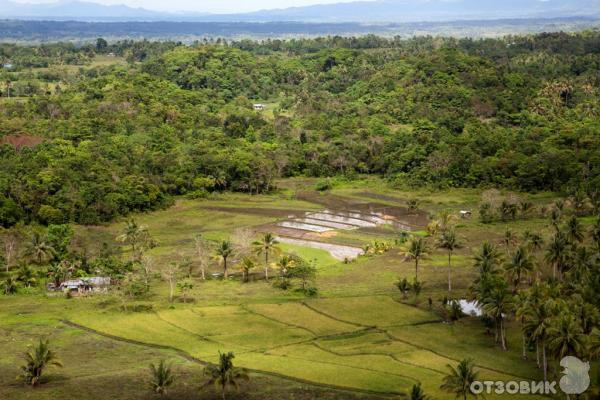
227 6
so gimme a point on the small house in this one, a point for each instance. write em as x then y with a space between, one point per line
7 66
86 285
465 214
258 106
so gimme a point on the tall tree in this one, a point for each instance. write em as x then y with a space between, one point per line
138 237
449 241
497 305
520 264
266 246
416 250
39 249
224 250
202 254
556 253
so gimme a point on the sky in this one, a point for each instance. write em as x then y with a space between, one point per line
219 6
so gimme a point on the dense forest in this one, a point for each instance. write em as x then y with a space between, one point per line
86 142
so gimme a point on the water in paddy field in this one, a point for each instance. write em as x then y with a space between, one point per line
303 226
329 224
339 252
342 219
470 307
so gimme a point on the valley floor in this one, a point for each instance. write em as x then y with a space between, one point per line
357 339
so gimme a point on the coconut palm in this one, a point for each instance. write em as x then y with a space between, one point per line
509 239
575 231
556 253
9 285
538 320
449 241
459 379
497 305
266 246
416 250
161 377
138 237
223 251
404 287
39 249
225 374
522 307
416 393
246 266
595 233
519 264
26 275
487 259
285 264
565 336
37 360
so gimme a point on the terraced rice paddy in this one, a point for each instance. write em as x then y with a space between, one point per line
355 342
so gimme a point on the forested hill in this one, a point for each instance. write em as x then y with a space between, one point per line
519 112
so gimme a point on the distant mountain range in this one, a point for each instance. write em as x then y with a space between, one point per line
359 11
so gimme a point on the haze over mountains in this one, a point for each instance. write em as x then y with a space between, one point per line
359 11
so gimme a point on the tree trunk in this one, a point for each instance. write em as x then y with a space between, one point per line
545 361
202 272
524 347
266 265
502 338
537 353
416 269
223 392
225 267
171 290
449 271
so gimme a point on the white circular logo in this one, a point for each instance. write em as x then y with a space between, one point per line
576 378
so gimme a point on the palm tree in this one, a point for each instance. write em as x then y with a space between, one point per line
137 236
497 304
246 266
520 264
565 336
161 377
556 253
538 319
416 393
266 246
522 307
26 275
575 231
595 233
284 264
534 242
416 250
487 259
509 240
404 287
225 374
459 380
449 241
224 251
9 285
39 249
36 361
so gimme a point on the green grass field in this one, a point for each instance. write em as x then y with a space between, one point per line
357 339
